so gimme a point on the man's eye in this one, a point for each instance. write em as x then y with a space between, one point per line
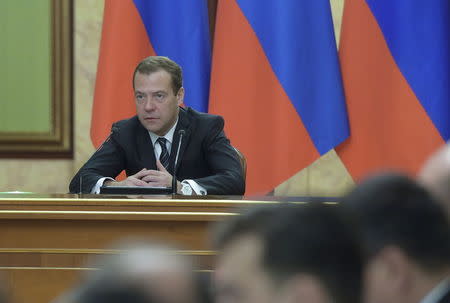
159 96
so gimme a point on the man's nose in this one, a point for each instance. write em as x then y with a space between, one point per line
149 104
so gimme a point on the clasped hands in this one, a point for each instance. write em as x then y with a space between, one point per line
147 177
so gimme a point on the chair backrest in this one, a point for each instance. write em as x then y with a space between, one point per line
243 162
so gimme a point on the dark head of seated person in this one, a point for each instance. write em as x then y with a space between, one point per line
288 253
145 146
405 235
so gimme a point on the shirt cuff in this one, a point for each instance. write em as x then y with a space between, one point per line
198 189
96 188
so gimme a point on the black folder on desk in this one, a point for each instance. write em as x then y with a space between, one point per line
135 190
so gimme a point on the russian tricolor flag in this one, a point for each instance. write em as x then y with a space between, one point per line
135 29
276 80
395 60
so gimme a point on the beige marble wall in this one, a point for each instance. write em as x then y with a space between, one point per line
88 26
326 176
50 176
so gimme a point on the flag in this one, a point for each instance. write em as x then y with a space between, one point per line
275 78
395 65
133 30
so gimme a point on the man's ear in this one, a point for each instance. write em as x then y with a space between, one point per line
397 266
180 96
306 288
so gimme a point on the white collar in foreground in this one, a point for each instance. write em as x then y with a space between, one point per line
438 292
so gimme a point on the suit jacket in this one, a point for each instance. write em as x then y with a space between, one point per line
445 298
206 155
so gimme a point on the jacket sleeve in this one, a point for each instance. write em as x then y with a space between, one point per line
107 161
224 163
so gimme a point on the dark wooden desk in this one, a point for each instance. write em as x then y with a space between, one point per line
47 240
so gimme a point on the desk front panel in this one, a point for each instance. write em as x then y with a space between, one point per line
48 242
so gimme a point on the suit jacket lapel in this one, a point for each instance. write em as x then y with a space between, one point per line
185 124
146 155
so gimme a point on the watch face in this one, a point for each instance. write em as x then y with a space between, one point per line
186 189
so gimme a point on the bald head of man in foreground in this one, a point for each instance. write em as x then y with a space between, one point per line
143 272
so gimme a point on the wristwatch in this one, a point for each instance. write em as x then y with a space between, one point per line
186 189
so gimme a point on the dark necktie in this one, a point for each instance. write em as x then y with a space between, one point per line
164 157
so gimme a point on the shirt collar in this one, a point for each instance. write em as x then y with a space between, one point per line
168 135
438 292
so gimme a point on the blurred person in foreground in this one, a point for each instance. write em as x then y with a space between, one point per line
435 176
406 241
288 254
144 273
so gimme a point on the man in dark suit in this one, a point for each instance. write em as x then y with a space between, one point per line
405 234
145 146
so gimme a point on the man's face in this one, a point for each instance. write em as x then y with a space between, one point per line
380 283
239 276
156 103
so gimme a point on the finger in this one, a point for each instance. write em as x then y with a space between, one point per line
137 182
165 180
151 178
140 173
160 166
152 172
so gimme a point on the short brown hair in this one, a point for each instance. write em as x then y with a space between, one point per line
155 63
